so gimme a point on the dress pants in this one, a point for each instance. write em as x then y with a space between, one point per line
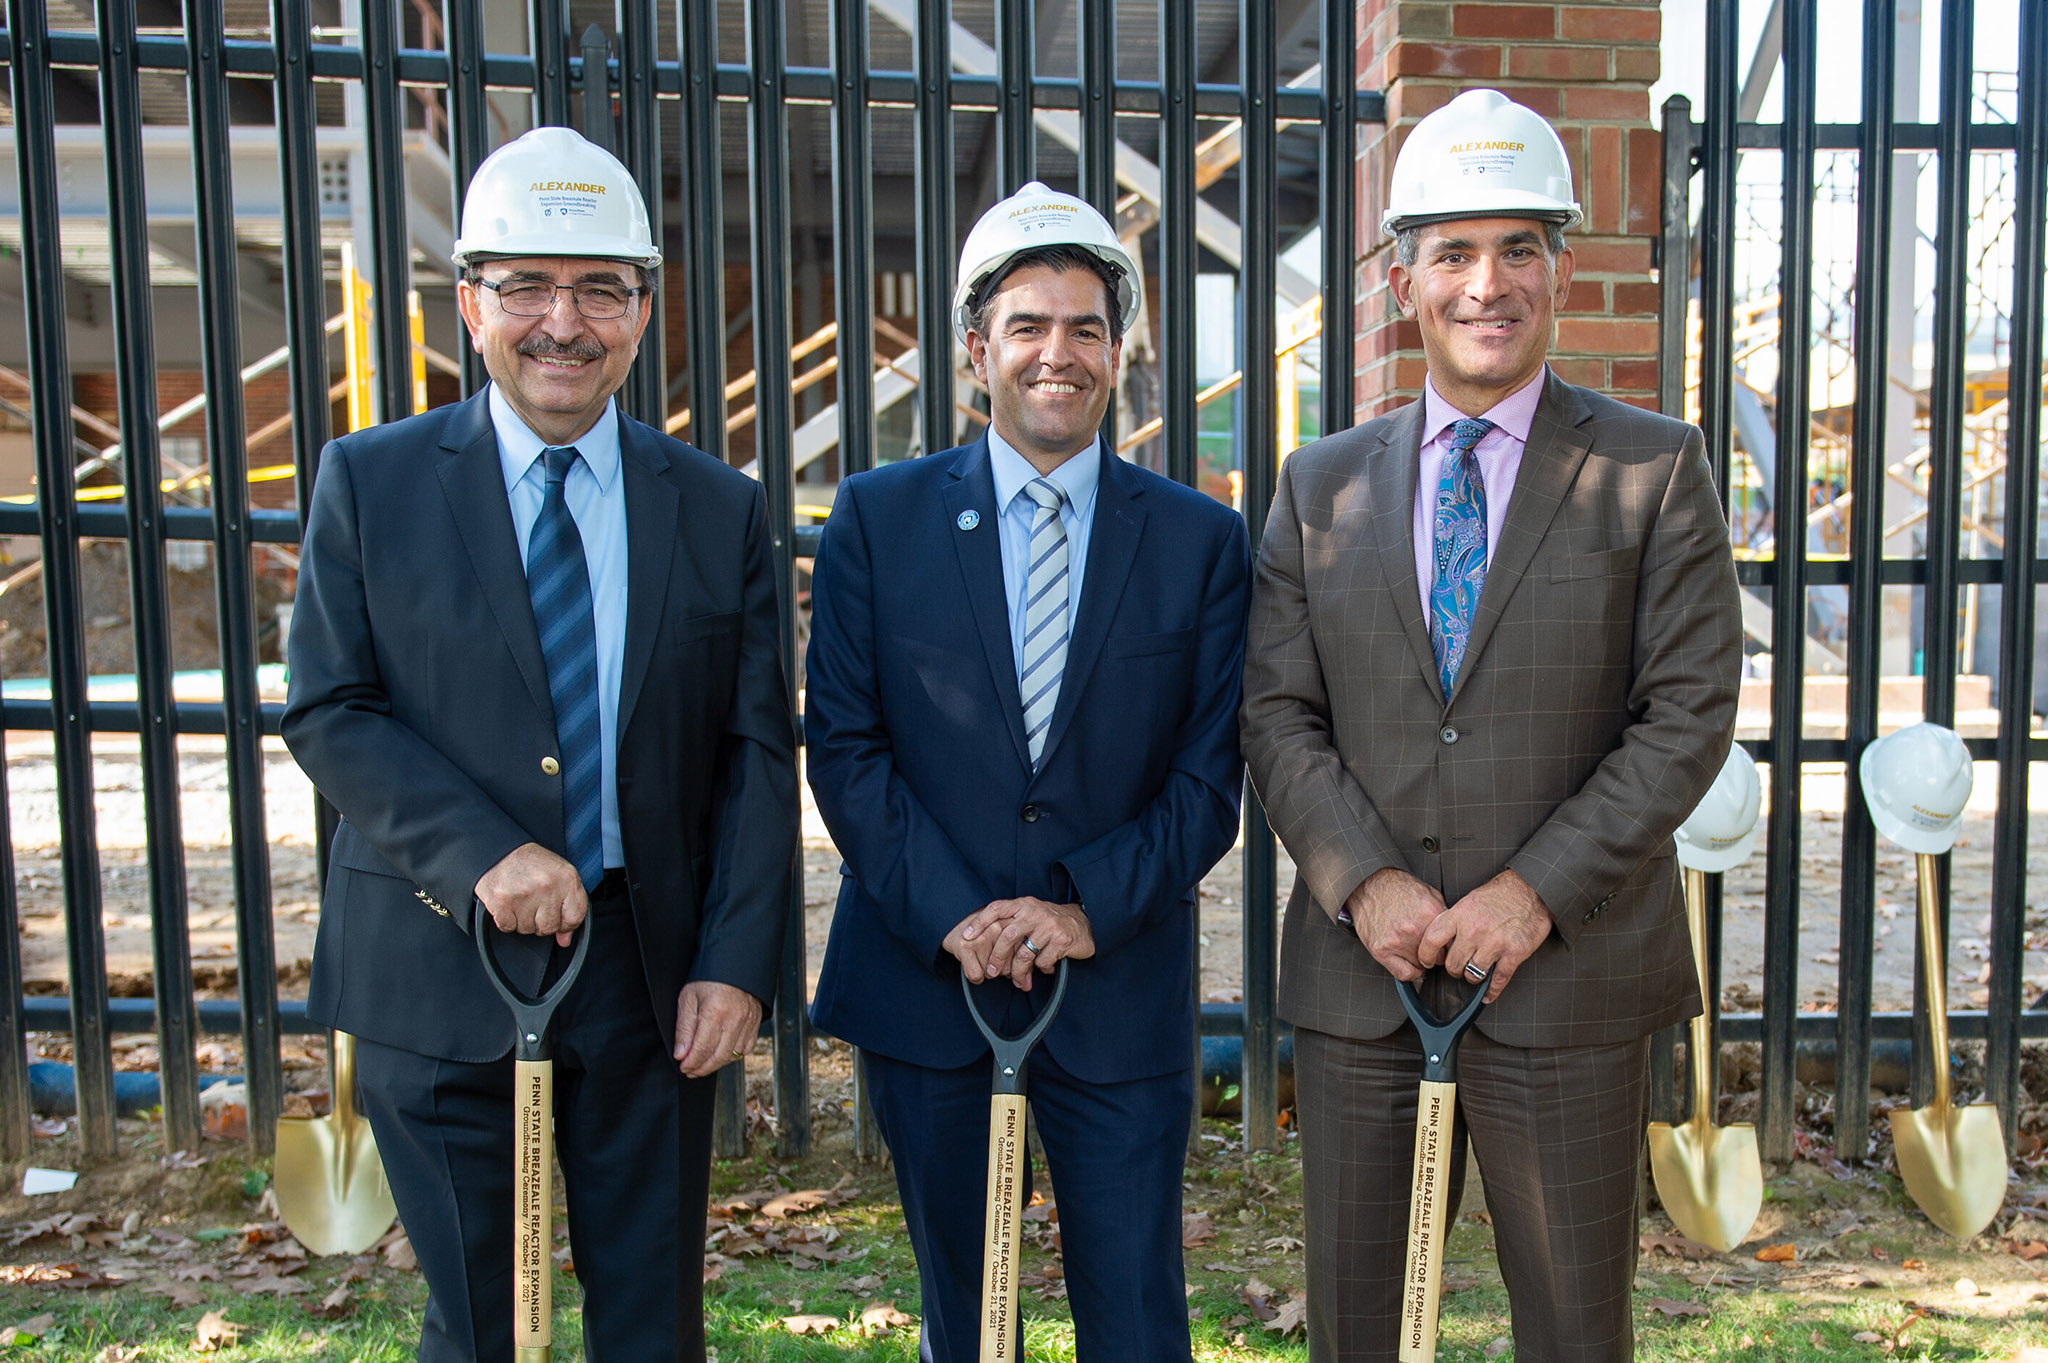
633 1138
1559 1137
1116 1153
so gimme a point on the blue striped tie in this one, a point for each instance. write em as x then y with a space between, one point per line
1460 548
558 580
1045 614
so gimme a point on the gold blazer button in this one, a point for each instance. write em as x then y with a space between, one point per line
550 766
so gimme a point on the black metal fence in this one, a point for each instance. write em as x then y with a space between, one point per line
665 101
1822 295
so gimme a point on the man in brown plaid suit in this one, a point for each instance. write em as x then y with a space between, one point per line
1492 665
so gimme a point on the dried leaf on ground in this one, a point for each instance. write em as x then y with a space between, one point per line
75 1276
28 1331
1196 1229
335 1304
810 1325
1674 1244
269 1282
398 1254
1291 1318
215 1332
1778 1254
1676 1309
883 1317
1500 1345
791 1204
2026 1249
1040 1212
178 1294
1259 1297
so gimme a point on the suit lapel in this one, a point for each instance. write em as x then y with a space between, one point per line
1550 465
652 526
1112 547
1392 475
980 550
474 483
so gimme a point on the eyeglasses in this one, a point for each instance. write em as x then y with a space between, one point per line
530 298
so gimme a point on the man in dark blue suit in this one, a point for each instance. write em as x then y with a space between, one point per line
535 666
1022 678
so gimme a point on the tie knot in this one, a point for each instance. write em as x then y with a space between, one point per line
1044 491
558 459
1467 432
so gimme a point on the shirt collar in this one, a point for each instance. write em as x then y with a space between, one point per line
519 447
1077 477
1513 414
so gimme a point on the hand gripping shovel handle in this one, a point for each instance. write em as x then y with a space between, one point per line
1437 1105
533 1145
1005 1161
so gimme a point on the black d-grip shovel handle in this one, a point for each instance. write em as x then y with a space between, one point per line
1440 1039
534 1016
1010 1051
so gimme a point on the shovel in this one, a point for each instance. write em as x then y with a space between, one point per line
999 1343
1952 1158
533 1147
1709 1177
1436 1105
331 1192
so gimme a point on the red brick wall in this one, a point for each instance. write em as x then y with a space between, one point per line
1585 67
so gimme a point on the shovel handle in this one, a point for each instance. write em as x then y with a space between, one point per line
533 1016
1011 1051
999 1257
1934 964
533 1206
1422 1285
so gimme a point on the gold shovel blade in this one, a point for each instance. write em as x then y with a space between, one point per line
331 1191
1953 1161
1709 1180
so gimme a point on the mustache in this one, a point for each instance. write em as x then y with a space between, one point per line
582 348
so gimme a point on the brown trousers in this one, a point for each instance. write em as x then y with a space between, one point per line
1559 1138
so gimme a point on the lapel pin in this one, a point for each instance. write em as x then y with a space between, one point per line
968 519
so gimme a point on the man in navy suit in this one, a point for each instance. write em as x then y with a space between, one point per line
1020 720
535 666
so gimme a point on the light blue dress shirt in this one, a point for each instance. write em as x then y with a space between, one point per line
596 492
1078 478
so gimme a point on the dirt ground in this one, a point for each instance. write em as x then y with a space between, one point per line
288 802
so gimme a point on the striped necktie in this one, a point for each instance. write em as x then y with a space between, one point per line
558 580
1045 614
1460 548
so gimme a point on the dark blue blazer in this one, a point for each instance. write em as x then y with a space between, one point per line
419 706
917 757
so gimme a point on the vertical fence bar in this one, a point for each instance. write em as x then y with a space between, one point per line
1258 188
1340 220
2017 579
177 1020
595 63
390 263
227 457
548 25
1674 256
1717 233
305 271
51 432
854 238
1016 135
1788 593
15 1128
640 114
1096 60
1938 625
935 263
468 142
703 225
1874 165
768 167
1176 322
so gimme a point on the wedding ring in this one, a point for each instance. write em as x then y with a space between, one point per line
1473 972
1032 946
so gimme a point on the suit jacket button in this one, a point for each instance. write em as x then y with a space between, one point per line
550 766
1031 814
1429 844
1447 734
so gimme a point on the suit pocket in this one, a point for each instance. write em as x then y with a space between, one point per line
1149 645
692 627
1605 563
352 850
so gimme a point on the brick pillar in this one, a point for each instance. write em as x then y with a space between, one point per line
1587 68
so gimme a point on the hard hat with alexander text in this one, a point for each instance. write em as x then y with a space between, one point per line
1032 217
553 192
1480 156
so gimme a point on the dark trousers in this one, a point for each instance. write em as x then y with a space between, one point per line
633 1139
1115 1151
1559 1138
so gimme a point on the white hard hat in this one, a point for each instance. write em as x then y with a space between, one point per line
1916 782
1032 217
1480 156
1721 832
554 193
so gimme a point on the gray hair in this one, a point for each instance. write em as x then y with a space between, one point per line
1408 242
